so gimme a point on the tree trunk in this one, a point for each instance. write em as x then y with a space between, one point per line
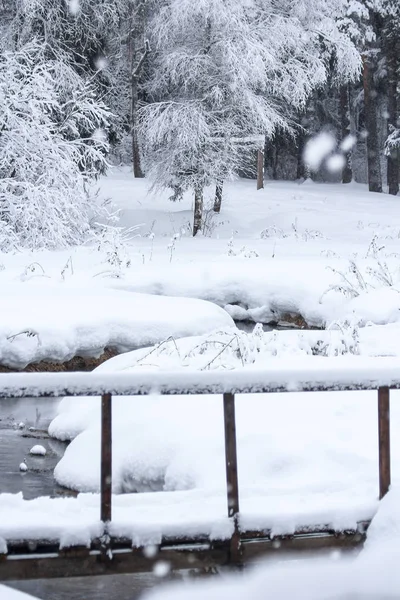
137 168
371 123
347 173
137 58
393 163
198 210
260 169
300 170
218 196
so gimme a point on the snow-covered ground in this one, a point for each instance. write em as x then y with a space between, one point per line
325 252
296 451
372 575
284 250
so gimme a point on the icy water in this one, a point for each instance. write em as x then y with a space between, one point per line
15 444
17 417
110 587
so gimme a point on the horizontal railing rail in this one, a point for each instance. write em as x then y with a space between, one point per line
363 374
382 375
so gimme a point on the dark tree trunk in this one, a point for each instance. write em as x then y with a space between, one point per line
138 56
371 124
270 158
198 210
218 196
300 171
347 173
137 168
393 163
260 169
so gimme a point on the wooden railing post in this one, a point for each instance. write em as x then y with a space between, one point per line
384 440
106 460
232 483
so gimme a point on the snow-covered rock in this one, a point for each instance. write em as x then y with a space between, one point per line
38 450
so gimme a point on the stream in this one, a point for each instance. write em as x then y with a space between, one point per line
23 424
15 444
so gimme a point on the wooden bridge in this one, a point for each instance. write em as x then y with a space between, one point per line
44 558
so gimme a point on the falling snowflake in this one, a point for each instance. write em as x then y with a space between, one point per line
73 6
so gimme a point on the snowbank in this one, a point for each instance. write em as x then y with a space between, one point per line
374 576
290 444
271 291
47 320
311 444
270 253
384 530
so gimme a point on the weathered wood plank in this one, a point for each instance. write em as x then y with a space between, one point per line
384 440
106 458
200 556
232 482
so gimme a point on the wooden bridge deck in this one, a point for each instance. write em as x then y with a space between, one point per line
27 559
43 558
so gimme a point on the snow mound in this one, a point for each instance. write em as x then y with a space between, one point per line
295 443
259 292
385 526
38 450
376 577
64 321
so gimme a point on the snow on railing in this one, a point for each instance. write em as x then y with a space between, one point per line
358 374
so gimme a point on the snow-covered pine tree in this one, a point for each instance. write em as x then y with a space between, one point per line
224 72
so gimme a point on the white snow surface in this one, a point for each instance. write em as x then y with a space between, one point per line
176 443
325 252
55 321
145 518
370 576
269 254
373 574
296 450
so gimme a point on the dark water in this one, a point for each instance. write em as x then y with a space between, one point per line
248 326
15 444
17 417
110 587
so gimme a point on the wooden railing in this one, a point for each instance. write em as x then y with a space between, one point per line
383 377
